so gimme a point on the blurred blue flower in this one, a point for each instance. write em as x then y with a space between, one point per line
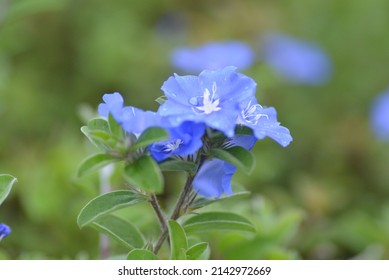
296 61
4 231
212 98
214 176
214 55
380 116
263 122
184 140
133 120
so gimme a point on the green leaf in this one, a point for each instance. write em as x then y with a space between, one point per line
196 251
107 203
141 254
98 124
178 240
98 132
217 221
145 174
94 162
178 165
6 183
97 138
115 128
238 156
203 201
149 136
119 229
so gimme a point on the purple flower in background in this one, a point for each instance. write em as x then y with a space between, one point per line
4 231
133 120
263 122
380 116
212 98
184 140
214 177
296 61
214 55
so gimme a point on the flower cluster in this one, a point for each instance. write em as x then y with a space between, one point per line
216 101
4 231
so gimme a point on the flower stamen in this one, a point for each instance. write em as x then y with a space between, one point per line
251 114
172 146
209 103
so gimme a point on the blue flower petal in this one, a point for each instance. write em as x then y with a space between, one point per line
380 116
263 122
4 231
214 55
243 140
184 140
133 120
296 61
212 180
113 104
212 98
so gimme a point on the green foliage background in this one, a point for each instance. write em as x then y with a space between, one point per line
324 197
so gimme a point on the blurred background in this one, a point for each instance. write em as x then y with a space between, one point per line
326 196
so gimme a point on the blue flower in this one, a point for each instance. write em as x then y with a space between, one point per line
214 176
242 140
184 140
263 122
214 55
296 61
133 120
212 98
4 231
380 116
113 104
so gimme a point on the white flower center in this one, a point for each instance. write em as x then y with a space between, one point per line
251 114
172 146
209 102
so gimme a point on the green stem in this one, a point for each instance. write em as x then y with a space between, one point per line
184 200
176 212
158 211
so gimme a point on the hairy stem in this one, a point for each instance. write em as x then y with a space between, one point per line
158 211
177 211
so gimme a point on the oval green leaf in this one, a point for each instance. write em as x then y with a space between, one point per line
238 156
94 162
145 174
6 183
197 251
178 240
217 221
97 138
120 230
149 136
107 203
115 128
141 254
98 124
